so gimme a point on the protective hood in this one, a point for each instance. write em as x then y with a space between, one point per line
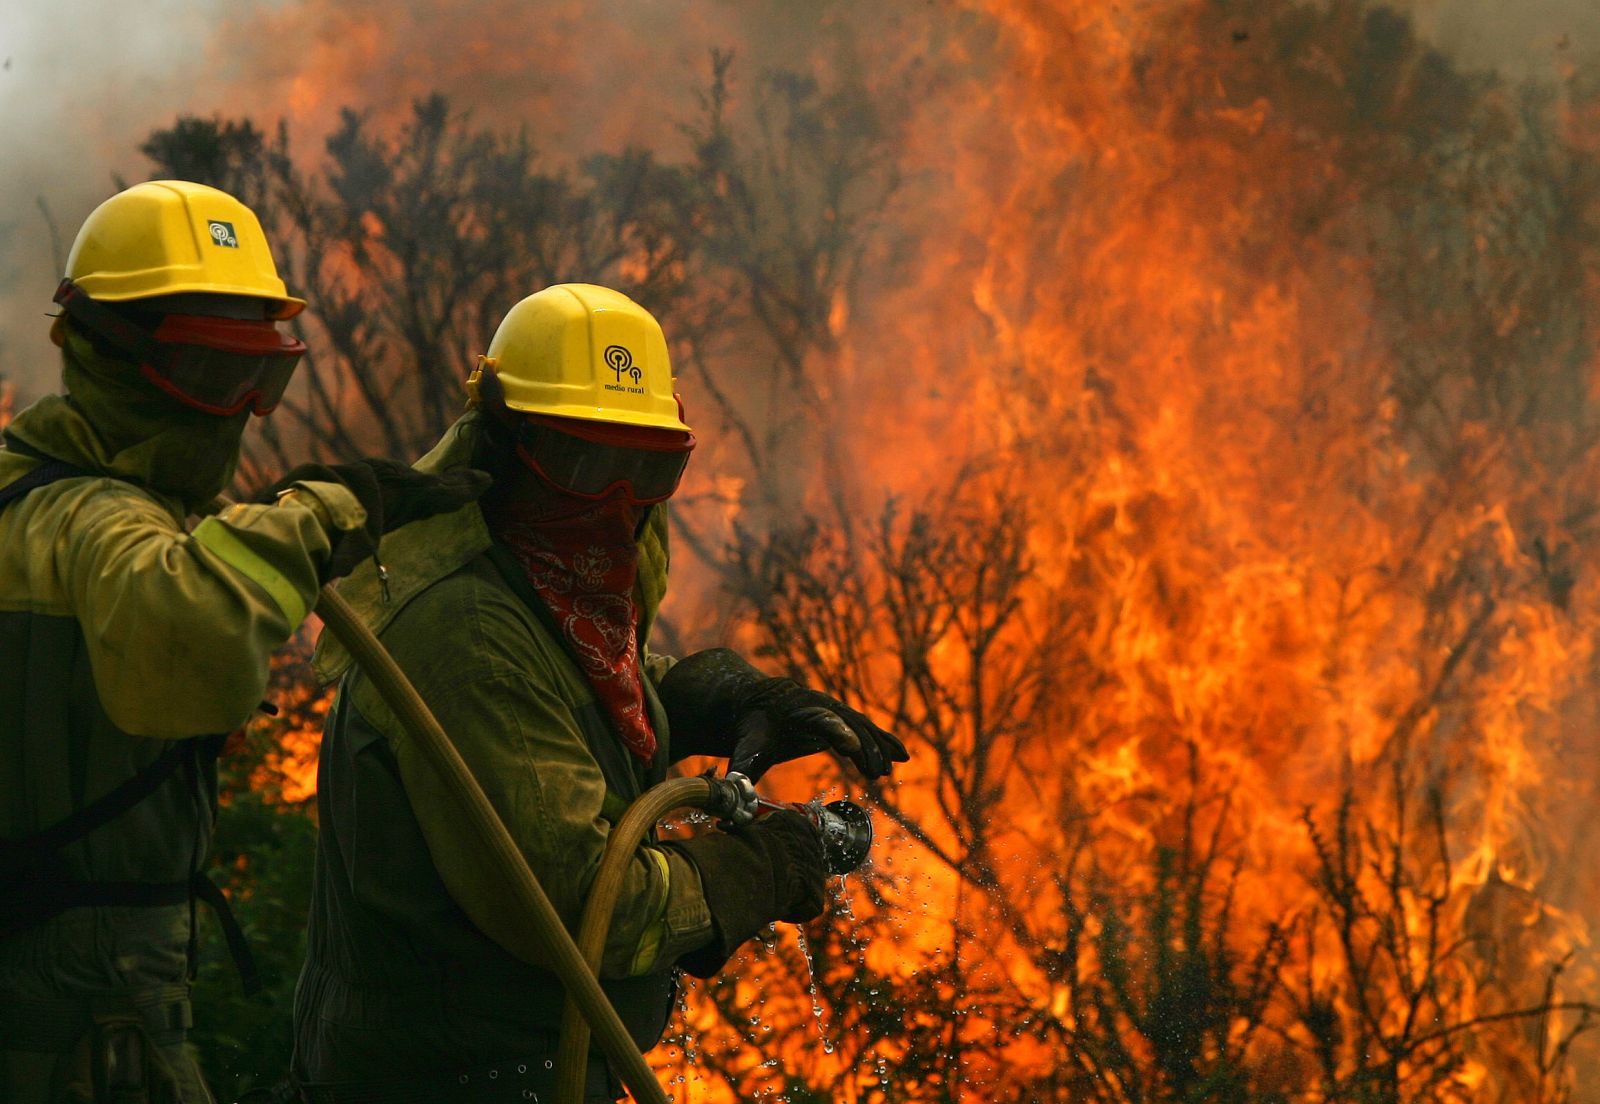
112 421
420 554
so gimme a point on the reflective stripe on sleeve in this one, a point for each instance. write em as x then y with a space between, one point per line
644 957
236 554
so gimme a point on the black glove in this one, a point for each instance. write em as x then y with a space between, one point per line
717 704
769 870
392 493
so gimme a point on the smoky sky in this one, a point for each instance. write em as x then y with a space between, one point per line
78 79
82 82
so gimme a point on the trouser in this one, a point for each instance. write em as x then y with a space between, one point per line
517 1082
110 1048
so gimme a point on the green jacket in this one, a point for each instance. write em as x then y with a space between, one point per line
123 635
419 961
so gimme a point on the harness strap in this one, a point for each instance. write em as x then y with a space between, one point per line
206 890
47 472
30 851
38 898
34 885
44 894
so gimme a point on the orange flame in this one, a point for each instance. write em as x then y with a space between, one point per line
1167 290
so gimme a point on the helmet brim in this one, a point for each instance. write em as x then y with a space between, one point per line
279 309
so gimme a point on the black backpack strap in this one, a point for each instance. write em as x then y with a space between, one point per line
34 885
202 888
18 855
48 472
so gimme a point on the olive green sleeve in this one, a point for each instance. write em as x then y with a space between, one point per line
657 665
521 741
180 626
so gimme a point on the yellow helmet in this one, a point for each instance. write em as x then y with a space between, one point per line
586 352
172 237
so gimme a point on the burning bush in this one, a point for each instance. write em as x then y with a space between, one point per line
1179 423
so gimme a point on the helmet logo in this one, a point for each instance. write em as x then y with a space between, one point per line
222 234
622 364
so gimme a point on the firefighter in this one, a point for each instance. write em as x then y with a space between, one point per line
129 644
523 621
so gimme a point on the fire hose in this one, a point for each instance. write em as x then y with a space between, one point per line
846 833
845 829
579 980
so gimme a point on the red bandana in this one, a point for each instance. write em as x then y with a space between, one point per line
583 564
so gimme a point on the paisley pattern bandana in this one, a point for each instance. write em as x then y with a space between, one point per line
580 556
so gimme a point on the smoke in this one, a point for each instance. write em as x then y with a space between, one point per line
1530 39
82 83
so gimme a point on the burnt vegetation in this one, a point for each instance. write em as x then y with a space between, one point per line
1069 903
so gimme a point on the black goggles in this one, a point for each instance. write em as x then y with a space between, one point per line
222 365
216 365
598 468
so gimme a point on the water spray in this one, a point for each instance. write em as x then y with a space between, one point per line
844 827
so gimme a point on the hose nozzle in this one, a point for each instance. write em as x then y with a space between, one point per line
845 827
846 831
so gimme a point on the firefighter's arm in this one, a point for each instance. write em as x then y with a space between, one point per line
180 626
522 745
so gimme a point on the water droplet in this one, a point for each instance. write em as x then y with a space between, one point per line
811 990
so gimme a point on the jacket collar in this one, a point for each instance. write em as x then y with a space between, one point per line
420 554
415 556
54 428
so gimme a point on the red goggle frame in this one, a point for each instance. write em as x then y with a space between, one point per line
222 365
595 459
215 365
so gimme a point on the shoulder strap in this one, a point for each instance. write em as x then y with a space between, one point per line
43 894
34 886
16 855
48 472
202 888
